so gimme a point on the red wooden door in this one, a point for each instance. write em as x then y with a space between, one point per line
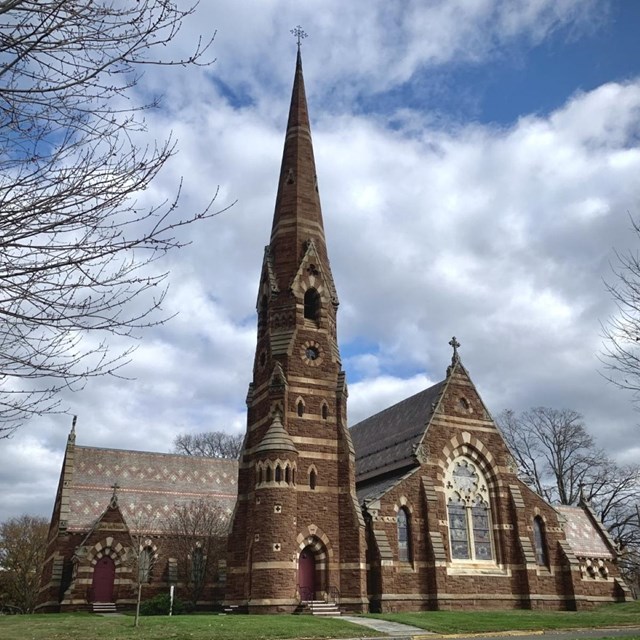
104 574
307 575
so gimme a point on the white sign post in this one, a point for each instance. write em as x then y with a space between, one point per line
171 599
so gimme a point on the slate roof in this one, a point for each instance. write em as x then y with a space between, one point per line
368 491
149 483
582 535
385 441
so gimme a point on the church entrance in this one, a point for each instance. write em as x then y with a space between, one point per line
104 575
307 574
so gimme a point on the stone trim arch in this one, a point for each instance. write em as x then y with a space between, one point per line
403 501
465 444
287 468
314 536
106 547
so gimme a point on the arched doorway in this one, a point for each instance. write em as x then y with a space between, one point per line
104 575
307 574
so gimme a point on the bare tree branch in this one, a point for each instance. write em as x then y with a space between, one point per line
198 533
77 249
211 444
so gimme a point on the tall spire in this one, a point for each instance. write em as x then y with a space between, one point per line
298 216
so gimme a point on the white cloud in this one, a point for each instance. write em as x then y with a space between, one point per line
500 236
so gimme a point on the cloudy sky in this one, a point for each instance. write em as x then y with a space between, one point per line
477 165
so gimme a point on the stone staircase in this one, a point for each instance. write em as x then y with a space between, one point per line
104 607
319 608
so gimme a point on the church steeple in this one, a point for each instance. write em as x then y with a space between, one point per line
298 215
296 480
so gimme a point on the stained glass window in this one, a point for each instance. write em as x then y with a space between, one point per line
539 541
404 543
458 529
481 532
468 511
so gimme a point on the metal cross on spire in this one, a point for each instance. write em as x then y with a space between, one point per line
299 33
455 344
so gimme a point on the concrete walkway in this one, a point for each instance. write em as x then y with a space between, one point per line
394 629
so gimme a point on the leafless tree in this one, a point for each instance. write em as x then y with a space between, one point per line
23 542
211 444
621 352
198 533
558 458
141 556
77 245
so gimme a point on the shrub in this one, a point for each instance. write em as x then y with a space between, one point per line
159 606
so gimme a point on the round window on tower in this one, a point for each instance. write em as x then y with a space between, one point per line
311 353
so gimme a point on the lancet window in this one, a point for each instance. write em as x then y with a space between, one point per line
540 542
404 536
312 305
469 513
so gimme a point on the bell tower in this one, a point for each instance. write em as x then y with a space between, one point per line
297 530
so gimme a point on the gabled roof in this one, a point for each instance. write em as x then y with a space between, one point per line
149 483
585 535
386 441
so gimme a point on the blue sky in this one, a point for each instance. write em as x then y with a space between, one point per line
476 163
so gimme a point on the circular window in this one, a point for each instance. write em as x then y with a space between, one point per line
311 353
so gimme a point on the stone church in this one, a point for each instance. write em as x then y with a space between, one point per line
415 508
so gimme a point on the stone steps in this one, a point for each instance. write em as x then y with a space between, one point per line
104 607
320 608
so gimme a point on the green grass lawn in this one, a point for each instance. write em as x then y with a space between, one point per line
481 621
85 626
81 626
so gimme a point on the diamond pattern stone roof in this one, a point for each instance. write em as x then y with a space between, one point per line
148 483
582 535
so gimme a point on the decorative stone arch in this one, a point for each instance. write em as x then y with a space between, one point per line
403 501
266 472
106 547
471 447
314 535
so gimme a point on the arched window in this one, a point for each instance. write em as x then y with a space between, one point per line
259 475
468 510
300 408
313 476
312 305
287 475
325 412
144 565
404 536
278 473
539 539
269 476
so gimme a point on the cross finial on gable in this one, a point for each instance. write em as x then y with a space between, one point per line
300 34
114 497
455 344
